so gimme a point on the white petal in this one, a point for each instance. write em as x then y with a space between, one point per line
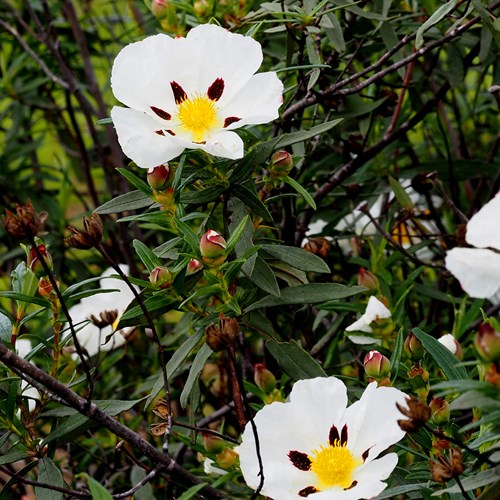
449 342
142 72
23 348
363 339
482 229
477 269
214 53
374 310
372 421
257 102
137 138
225 144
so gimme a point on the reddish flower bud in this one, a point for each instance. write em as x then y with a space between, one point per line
25 223
159 9
377 366
413 347
419 380
264 379
45 288
160 177
193 266
367 279
213 248
34 260
487 343
160 277
440 410
281 164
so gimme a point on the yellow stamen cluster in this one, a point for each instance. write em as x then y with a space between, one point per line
333 465
198 115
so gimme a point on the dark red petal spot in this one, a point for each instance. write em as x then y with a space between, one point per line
159 132
343 435
179 93
307 491
215 90
354 483
299 460
231 119
333 436
171 132
161 113
364 456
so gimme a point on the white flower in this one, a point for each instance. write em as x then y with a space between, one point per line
209 467
23 348
190 93
315 446
90 337
478 269
374 310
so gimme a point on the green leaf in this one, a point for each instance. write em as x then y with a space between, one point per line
442 356
189 236
13 457
5 328
312 293
49 473
437 16
263 276
165 249
252 201
110 406
21 297
99 492
191 492
297 257
198 363
204 196
125 202
158 304
470 483
174 363
294 360
474 399
400 193
135 181
148 258
301 190
136 476
304 135
236 235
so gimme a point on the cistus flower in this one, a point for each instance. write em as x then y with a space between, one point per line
314 446
372 321
191 93
478 269
102 305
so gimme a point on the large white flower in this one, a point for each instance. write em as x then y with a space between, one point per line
478 269
23 348
90 337
313 446
190 92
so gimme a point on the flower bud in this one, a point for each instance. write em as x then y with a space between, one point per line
160 177
193 266
413 347
452 344
367 279
45 288
34 260
25 223
264 379
492 375
159 9
419 380
487 343
281 164
377 366
213 248
440 410
160 277
212 444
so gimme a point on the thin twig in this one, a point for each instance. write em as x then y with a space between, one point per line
145 480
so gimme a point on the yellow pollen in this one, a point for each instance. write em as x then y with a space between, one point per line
198 115
333 465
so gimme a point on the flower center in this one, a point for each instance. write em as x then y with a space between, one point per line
333 465
198 115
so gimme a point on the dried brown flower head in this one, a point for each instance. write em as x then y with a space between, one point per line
418 414
25 223
91 235
105 318
445 468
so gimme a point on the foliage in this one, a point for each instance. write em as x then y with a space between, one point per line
390 115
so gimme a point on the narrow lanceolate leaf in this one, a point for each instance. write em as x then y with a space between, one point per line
5 328
135 181
447 361
297 257
301 190
99 492
204 196
313 293
236 235
263 277
125 202
252 201
148 258
294 361
189 236
49 473
304 135
199 362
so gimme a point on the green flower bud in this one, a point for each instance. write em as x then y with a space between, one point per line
160 277
264 379
160 177
213 248
413 347
377 366
440 410
367 279
281 164
487 343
